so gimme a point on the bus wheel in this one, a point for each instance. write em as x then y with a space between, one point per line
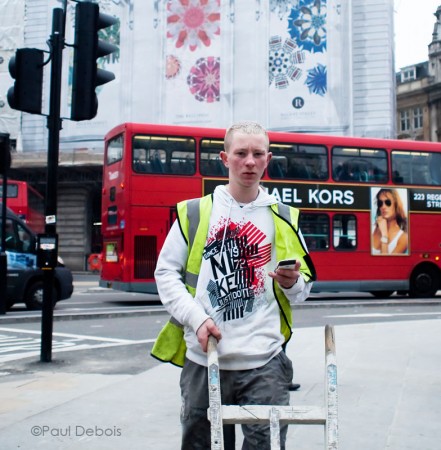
382 294
424 282
34 296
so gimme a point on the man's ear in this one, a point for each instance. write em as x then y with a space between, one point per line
268 159
224 157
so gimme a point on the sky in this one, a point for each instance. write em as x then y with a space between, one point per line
413 22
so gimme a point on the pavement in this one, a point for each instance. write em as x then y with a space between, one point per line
389 391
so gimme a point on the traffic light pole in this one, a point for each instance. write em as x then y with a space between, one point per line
3 257
54 126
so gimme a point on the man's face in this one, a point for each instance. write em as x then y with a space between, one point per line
247 158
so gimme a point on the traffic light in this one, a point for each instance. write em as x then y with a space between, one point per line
5 154
26 67
87 48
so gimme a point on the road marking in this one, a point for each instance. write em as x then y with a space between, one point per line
18 347
73 312
367 315
76 336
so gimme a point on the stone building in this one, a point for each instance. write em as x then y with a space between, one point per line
419 94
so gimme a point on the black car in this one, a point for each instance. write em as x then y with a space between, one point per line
24 278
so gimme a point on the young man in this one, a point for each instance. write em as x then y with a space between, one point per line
216 275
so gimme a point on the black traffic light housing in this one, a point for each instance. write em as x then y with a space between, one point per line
26 67
87 48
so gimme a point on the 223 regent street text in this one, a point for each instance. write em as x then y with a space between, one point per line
75 431
344 197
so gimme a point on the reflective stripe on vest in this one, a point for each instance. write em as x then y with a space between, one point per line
194 220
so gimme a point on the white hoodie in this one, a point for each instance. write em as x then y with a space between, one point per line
233 288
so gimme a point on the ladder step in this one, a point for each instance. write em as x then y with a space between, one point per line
248 414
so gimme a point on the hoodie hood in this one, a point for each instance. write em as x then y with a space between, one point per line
222 195
223 199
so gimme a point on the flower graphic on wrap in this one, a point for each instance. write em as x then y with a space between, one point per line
204 79
307 25
172 67
316 80
283 61
192 22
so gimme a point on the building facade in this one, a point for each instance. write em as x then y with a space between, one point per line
419 94
318 66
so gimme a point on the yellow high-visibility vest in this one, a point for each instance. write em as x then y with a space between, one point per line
194 220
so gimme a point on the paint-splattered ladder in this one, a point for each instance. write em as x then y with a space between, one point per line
219 414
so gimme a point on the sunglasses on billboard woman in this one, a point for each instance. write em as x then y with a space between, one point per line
386 202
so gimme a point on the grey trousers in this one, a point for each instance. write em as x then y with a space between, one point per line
266 385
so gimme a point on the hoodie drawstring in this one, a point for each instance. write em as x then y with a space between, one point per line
226 226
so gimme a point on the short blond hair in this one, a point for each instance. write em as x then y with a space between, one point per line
246 127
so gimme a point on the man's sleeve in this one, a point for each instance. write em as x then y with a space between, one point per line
169 276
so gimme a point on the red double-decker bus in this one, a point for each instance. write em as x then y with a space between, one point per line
26 202
344 186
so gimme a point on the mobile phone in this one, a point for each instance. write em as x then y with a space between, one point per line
286 264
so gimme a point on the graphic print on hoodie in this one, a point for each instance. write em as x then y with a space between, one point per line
237 254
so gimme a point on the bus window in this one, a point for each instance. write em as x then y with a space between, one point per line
315 229
163 155
11 190
278 166
344 228
115 149
359 165
413 167
298 162
210 163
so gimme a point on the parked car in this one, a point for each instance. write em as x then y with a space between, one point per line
24 278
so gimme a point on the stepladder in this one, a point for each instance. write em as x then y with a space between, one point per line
325 415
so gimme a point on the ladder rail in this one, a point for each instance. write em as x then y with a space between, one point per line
214 396
331 399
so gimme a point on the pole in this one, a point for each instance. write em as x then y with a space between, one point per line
3 257
54 126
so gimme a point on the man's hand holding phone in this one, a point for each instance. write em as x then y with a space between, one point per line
286 273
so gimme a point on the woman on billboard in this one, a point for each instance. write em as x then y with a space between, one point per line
390 235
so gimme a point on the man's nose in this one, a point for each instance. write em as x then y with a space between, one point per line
250 159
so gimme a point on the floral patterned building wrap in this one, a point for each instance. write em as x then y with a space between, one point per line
300 55
193 43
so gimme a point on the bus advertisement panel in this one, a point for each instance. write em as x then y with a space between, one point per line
370 208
